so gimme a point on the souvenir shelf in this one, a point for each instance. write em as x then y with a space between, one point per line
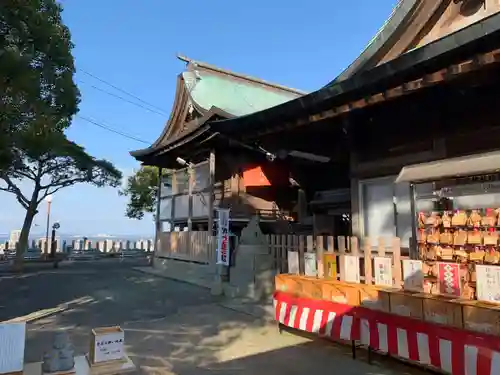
463 238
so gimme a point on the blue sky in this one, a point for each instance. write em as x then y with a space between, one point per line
133 45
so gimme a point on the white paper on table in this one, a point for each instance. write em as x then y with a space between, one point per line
413 275
109 346
293 263
351 269
383 271
12 343
488 283
310 265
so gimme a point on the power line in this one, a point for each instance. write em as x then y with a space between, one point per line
122 90
110 129
124 99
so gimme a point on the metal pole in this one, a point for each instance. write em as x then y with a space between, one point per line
48 228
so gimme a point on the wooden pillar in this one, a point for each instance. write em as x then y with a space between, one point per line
172 201
157 218
211 197
356 219
190 172
216 288
301 205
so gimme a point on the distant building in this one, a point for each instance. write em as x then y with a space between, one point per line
41 244
14 238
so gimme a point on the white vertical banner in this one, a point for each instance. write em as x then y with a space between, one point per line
223 236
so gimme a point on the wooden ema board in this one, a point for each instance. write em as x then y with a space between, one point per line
96 332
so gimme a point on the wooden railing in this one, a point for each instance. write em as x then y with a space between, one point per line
188 246
341 258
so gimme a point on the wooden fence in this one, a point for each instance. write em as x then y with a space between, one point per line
341 258
188 246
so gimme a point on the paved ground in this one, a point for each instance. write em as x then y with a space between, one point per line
171 327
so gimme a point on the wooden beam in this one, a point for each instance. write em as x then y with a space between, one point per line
406 88
377 98
343 108
489 58
414 85
436 77
394 92
463 67
358 104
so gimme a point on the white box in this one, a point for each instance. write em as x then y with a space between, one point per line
107 344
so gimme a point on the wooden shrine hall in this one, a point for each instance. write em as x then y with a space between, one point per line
424 89
207 169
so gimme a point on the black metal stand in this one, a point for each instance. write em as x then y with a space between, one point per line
369 355
353 348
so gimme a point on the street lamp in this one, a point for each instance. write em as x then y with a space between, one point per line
48 199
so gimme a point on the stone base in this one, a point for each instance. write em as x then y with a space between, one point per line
217 289
259 289
252 249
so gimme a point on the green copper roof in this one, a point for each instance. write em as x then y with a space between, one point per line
232 94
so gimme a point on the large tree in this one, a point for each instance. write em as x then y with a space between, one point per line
38 101
51 162
36 71
141 188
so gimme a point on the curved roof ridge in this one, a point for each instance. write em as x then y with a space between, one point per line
395 19
238 75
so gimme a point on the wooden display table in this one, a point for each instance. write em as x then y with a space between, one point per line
82 367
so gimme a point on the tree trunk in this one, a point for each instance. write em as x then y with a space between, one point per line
22 245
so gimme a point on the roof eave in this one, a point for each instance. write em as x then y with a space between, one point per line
385 33
474 39
152 151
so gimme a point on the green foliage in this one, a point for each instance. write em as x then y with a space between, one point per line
51 162
38 99
36 71
142 190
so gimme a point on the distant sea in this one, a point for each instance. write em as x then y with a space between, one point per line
70 237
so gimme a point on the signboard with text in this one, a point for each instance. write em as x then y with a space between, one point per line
310 265
383 271
488 283
351 269
223 236
107 344
413 275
